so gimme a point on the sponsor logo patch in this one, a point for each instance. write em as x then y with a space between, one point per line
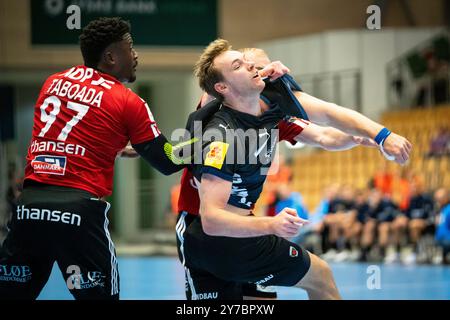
269 277
90 280
216 155
207 296
15 273
49 164
293 252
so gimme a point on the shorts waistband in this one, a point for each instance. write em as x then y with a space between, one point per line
39 186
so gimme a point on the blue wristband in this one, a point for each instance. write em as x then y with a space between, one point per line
382 135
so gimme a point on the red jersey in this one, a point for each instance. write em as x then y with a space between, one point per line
189 199
82 119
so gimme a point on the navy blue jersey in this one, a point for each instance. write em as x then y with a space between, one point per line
239 147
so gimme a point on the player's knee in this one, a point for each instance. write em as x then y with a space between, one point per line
325 271
319 274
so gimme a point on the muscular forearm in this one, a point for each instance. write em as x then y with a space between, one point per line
330 114
335 140
352 122
330 138
220 222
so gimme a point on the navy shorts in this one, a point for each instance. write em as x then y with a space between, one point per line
252 290
63 225
218 266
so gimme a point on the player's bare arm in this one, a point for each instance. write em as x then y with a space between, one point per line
353 123
331 139
218 220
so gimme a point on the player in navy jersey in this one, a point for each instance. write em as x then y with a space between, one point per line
318 111
226 246
84 117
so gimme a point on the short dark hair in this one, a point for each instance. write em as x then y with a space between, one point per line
99 34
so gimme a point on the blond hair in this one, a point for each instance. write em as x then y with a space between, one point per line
204 68
257 53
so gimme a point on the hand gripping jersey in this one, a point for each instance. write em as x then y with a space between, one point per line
82 119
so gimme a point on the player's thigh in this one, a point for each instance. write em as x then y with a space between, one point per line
26 258
87 259
267 260
206 286
23 276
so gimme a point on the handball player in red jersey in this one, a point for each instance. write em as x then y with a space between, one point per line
83 118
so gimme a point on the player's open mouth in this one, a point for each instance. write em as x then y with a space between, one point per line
256 75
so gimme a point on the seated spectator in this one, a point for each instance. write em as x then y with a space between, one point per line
353 225
420 215
398 229
381 213
334 223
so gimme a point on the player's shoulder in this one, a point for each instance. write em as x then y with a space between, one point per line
125 95
133 100
221 121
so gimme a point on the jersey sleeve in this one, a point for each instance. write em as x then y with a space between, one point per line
139 120
289 129
218 154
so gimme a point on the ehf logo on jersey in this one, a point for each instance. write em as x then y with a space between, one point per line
49 164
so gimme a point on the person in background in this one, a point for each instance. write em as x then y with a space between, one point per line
335 221
420 216
279 174
288 198
442 236
381 212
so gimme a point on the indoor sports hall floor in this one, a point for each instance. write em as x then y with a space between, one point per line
161 278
